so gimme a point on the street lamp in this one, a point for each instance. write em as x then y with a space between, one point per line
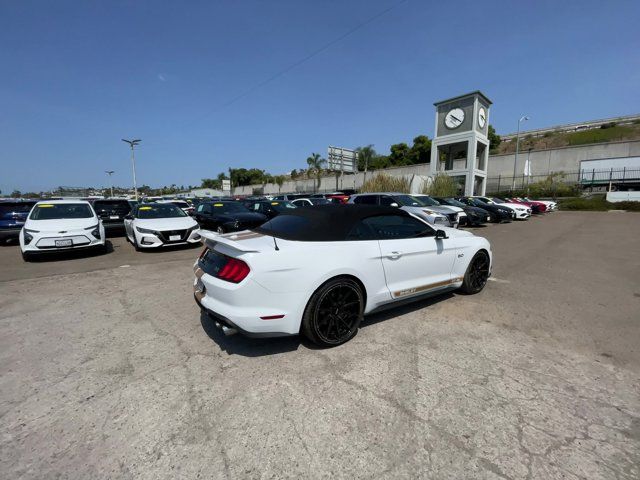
515 160
110 172
133 143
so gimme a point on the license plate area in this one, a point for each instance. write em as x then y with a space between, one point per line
64 243
113 217
174 238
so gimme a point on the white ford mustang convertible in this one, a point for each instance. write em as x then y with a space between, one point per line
316 271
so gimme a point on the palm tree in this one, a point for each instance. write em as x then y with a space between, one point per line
279 181
365 157
315 162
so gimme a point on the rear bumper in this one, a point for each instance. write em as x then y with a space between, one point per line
241 306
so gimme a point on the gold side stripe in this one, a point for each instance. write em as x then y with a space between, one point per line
422 288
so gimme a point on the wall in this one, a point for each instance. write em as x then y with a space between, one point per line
560 159
565 159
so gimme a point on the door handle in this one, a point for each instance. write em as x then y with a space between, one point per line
394 255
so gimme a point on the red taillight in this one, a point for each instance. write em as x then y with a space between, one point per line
233 271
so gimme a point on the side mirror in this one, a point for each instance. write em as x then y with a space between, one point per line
394 204
441 235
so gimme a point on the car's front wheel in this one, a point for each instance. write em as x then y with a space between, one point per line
334 312
26 256
477 274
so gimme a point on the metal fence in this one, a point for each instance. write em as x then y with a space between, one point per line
585 178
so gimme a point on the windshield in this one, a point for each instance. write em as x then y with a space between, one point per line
181 204
479 203
427 201
282 206
497 200
56 211
159 210
408 201
453 202
227 207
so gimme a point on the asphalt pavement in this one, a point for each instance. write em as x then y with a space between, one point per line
108 370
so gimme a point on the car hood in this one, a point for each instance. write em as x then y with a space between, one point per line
419 210
510 205
455 232
178 223
62 224
446 209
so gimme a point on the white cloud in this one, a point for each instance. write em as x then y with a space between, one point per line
162 77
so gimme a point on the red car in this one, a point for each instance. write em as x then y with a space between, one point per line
536 207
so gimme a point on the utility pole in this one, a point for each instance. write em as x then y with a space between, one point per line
110 172
524 118
132 144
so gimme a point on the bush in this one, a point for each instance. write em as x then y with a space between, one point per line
442 185
597 203
383 182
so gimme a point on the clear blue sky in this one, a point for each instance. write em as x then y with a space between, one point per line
78 76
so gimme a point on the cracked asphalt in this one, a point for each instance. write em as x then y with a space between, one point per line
108 370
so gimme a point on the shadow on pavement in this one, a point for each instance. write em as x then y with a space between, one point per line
238 344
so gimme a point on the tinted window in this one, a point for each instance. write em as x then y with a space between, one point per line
407 201
323 201
366 200
181 204
111 206
386 201
224 208
387 227
282 206
159 210
453 202
17 207
54 211
427 201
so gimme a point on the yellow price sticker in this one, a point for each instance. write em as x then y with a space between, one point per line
275 203
218 204
45 205
145 208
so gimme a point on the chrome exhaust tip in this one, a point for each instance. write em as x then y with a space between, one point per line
226 330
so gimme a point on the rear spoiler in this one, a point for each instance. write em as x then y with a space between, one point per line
231 240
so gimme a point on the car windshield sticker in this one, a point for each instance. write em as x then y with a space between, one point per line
145 208
218 204
275 203
45 205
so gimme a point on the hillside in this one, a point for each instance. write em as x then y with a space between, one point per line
613 133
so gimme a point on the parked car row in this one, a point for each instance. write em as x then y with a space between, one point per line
54 225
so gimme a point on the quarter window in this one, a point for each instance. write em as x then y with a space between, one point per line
366 200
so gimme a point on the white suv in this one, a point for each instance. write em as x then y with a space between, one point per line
61 225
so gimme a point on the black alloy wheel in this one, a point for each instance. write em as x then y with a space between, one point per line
334 313
477 274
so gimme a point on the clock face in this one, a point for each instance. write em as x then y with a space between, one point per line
454 118
482 117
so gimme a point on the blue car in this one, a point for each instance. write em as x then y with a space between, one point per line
13 214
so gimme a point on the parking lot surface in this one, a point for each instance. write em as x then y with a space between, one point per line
108 370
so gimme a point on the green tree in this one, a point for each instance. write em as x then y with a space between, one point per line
315 162
16 194
366 156
210 183
494 138
399 154
421 150
294 174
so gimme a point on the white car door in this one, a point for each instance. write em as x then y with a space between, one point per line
128 224
414 260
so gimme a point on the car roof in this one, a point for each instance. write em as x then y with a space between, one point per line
380 193
332 223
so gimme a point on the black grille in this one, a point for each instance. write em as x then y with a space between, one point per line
164 236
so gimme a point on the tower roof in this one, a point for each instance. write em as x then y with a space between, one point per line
470 94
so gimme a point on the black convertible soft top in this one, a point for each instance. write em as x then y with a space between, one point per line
323 223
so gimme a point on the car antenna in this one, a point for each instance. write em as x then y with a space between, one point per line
273 235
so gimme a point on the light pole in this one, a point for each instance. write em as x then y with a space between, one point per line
133 143
524 118
110 172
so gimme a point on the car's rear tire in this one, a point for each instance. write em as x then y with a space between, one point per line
477 274
334 312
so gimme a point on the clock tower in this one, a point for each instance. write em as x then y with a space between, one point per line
460 147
